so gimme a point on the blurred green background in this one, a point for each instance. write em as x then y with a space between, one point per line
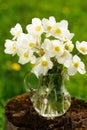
22 11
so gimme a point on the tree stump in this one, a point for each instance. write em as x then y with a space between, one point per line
20 115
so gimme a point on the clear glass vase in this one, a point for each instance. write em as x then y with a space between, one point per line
48 94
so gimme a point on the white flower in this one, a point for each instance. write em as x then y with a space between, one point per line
82 47
36 27
58 48
10 47
22 41
76 65
33 43
48 25
53 48
65 59
28 41
69 46
22 44
47 46
16 31
26 56
46 41
60 31
42 66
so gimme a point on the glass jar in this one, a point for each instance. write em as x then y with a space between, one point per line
48 94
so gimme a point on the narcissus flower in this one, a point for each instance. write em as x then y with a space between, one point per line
16 31
82 47
46 44
11 47
76 65
26 56
35 28
58 48
65 59
48 25
68 46
42 66
60 31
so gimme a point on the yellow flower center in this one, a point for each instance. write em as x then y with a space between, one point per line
49 28
67 47
44 63
38 28
82 49
26 55
63 55
57 31
57 48
31 44
14 48
76 64
41 52
37 44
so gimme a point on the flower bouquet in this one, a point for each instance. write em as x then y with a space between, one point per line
48 47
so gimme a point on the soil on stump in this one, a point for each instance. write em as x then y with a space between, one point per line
20 115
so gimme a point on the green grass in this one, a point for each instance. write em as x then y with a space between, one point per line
17 11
